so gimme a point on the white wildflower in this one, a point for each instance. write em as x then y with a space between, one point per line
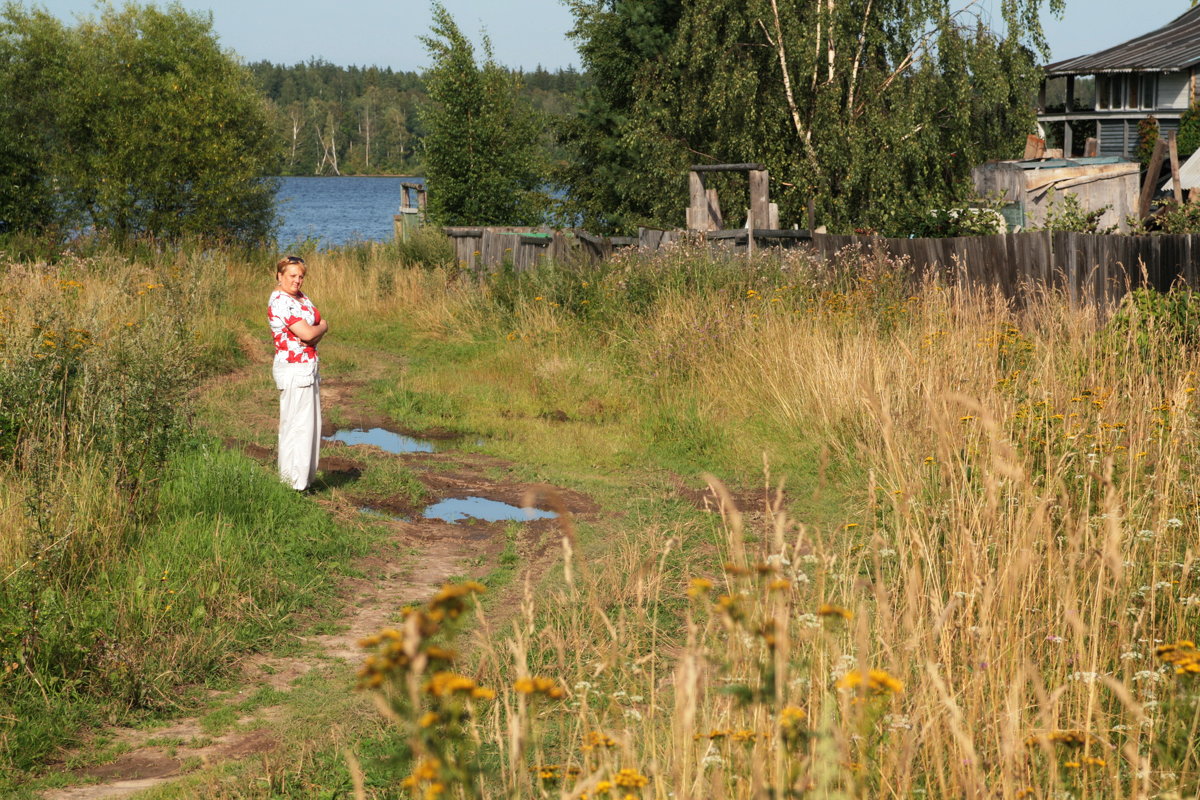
844 664
1174 522
1130 655
1084 677
633 714
809 621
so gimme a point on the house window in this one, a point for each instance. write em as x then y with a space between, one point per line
1126 92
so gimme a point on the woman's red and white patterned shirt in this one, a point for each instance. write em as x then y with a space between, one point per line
283 311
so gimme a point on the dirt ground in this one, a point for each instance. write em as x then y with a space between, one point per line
411 564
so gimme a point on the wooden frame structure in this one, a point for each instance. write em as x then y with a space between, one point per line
704 207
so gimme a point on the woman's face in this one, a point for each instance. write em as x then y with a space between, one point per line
291 279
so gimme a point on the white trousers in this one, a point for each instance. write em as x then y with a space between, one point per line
299 388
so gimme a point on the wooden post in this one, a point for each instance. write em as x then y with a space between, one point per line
1091 148
760 200
697 215
712 207
1176 183
1156 160
1068 147
1034 147
812 214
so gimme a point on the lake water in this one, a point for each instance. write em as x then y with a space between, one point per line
338 210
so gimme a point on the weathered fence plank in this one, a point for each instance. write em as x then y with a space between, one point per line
1085 268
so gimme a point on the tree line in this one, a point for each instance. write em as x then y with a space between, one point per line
335 120
870 112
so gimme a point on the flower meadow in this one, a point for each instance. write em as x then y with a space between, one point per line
944 546
1003 604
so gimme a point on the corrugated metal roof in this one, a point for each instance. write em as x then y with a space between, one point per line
1174 46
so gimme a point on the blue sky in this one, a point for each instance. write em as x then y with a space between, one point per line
526 33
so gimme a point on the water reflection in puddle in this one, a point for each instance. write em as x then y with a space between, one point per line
388 441
459 508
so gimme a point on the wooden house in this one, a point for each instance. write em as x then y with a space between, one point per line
1152 75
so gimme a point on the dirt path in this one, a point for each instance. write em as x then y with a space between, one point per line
417 556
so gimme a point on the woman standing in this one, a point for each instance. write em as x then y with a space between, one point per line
297 327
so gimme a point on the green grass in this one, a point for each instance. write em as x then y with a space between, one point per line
222 567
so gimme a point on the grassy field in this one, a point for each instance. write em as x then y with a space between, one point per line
956 557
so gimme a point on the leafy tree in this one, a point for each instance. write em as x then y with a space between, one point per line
1189 131
1147 139
31 66
482 155
134 123
872 108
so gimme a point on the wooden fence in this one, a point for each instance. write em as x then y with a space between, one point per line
1086 268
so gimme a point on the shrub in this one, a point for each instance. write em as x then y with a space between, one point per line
1188 140
1155 328
1147 138
1067 215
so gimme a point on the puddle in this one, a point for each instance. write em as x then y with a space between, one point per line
460 508
388 441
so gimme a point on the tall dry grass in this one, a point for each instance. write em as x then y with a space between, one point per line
1021 563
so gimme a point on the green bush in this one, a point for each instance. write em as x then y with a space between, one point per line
1188 140
1147 139
1155 328
1067 215
134 123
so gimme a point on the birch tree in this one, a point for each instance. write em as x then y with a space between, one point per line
874 109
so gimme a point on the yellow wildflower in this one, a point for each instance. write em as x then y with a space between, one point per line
827 610
876 681
630 779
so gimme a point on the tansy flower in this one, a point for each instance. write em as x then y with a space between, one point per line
538 685
876 681
630 779
827 610
1183 655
